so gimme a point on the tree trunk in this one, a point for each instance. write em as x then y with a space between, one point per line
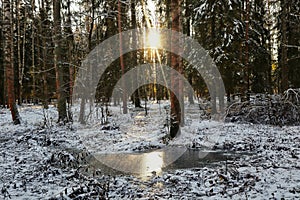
23 57
2 76
247 66
32 71
213 98
8 60
136 95
121 58
61 85
44 28
89 28
176 64
44 77
20 67
188 15
284 57
70 40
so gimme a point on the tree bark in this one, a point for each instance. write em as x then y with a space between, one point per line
247 66
2 69
89 28
70 40
61 85
23 56
284 56
188 15
136 95
8 60
213 98
20 67
121 58
43 31
32 70
176 64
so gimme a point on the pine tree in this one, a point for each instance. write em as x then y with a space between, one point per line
136 96
121 57
8 60
62 90
177 65
294 44
2 77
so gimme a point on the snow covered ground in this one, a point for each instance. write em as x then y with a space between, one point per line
42 160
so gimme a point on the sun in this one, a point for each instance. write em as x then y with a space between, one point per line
153 39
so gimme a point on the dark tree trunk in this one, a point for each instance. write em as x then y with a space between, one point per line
89 73
44 30
121 58
284 56
188 15
136 94
20 74
176 64
62 89
2 77
247 65
213 98
70 46
8 60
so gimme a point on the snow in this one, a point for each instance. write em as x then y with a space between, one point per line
40 159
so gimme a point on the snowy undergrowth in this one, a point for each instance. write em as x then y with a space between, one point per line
41 160
38 156
268 109
138 131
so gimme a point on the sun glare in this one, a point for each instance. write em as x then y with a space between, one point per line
153 39
153 161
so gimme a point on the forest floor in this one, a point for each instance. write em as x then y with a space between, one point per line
40 159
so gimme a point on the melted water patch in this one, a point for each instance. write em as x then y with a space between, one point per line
157 161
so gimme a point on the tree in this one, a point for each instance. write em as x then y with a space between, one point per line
294 43
44 30
175 64
33 70
136 96
8 60
2 73
20 67
187 30
62 90
284 41
289 54
247 66
121 58
234 33
70 54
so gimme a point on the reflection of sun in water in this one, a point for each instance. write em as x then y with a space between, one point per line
153 162
153 39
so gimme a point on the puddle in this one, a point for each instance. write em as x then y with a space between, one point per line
198 158
157 161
